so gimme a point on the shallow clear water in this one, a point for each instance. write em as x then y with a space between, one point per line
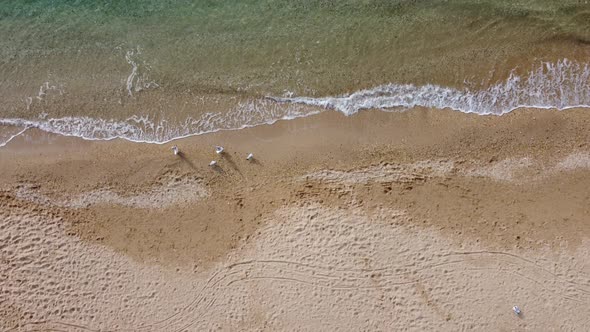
154 70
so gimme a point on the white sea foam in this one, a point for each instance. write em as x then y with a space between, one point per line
561 85
137 81
144 129
10 137
45 90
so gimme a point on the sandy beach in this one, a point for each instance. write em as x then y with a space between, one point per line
427 220
417 165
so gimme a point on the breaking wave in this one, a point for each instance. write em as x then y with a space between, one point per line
561 85
146 129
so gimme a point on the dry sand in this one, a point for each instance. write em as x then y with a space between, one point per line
425 220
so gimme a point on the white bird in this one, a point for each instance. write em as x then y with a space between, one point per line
175 150
212 163
219 149
250 156
516 310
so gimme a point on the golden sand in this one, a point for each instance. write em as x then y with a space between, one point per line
424 220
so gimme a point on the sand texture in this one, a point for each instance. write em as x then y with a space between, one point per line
417 221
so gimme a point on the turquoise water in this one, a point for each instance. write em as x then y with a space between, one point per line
155 70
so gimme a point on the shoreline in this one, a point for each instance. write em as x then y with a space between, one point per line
194 118
526 109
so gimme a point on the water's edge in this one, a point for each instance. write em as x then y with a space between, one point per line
561 85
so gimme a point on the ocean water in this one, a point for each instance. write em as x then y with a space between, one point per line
153 70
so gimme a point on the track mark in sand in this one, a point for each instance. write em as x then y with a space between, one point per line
328 277
55 326
408 269
507 257
323 277
269 270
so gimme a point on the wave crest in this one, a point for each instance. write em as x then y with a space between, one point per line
146 129
561 85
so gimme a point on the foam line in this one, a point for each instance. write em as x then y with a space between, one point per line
2 144
561 85
142 129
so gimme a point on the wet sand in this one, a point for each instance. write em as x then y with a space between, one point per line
424 220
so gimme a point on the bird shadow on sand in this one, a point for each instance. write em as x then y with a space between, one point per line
218 169
230 161
182 157
255 161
